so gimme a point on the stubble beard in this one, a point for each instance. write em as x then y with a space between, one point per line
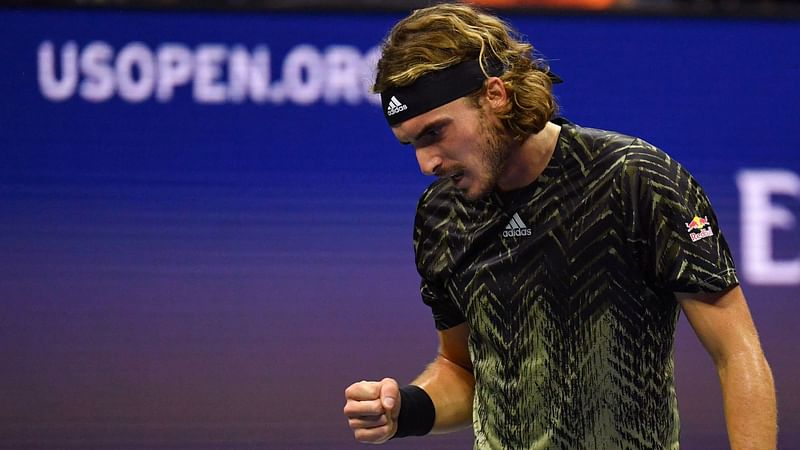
495 153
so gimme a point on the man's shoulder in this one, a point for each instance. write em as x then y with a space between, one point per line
597 139
632 150
443 209
441 195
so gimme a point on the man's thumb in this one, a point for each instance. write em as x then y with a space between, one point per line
390 394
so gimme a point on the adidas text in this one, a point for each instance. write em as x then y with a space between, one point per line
396 109
517 232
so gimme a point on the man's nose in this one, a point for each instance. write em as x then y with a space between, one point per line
430 162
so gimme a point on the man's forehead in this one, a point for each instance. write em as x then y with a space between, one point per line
412 129
406 131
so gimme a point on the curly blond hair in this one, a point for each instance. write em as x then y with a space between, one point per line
440 36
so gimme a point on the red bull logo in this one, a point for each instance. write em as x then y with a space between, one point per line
702 225
698 223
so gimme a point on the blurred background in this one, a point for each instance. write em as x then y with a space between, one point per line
205 223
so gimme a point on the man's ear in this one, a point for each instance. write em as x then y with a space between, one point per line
496 95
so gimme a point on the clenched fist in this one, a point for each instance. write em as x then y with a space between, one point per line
372 408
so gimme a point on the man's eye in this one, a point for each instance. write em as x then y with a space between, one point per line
435 132
431 136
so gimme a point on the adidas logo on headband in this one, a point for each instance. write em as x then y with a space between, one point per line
395 107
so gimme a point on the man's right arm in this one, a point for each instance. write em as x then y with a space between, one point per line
373 407
449 381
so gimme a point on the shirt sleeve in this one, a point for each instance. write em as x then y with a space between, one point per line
429 244
672 226
445 313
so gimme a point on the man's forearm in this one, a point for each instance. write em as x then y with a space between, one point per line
451 387
748 393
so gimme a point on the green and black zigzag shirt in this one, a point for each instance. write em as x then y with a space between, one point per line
567 286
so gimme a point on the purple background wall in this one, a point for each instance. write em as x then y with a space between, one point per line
193 267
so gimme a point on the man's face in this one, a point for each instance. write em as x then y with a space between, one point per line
461 142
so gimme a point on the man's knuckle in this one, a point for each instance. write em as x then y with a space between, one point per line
351 390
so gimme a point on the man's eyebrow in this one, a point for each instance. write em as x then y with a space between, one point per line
427 128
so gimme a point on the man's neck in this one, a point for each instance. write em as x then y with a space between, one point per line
529 159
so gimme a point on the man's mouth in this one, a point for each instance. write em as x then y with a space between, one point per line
456 177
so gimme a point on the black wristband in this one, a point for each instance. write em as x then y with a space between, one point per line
417 412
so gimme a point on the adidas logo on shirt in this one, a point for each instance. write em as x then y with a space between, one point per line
516 227
395 106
